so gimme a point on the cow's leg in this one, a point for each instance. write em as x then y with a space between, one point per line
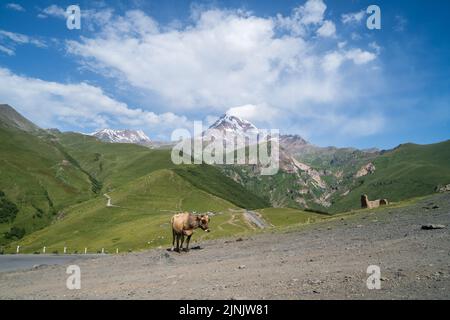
173 240
182 241
178 243
187 242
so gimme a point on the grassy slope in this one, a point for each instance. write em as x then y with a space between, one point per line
281 217
33 176
93 225
409 171
32 173
116 164
141 220
210 179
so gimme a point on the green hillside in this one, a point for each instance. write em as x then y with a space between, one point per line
282 217
113 163
408 171
10 118
52 188
210 179
38 178
140 218
116 164
45 172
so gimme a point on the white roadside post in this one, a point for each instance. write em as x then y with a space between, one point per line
65 250
43 250
117 250
103 250
85 250
18 249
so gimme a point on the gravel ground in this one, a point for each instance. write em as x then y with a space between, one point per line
327 260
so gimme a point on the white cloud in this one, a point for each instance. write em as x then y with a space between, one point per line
81 105
7 50
91 18
342 44
328 29
303 18
353 17
21 38
374 45
225 58
228 58
312 12
15 6
332 61
359 56
53 11
261 113
10 40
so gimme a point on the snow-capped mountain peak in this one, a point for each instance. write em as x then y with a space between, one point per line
230 123
122 136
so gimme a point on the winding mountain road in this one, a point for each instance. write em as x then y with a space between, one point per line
255 219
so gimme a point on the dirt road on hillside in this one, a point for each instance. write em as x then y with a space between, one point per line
327 260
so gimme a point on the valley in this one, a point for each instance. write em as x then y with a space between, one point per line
54 184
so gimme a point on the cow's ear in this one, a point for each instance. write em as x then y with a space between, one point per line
198 218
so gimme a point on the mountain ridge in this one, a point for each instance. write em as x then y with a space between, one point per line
9 117
122 136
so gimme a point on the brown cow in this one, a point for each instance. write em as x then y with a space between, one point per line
365 203
184 224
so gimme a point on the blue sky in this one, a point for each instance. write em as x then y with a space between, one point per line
306 67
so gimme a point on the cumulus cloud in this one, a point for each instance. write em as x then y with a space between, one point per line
225 58
359 56
353 17
261 113
265 69
303 18
81 105
15 7
53 11
328 29
311 12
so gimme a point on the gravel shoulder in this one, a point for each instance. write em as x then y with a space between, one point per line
327 260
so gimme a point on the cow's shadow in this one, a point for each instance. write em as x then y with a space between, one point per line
183 250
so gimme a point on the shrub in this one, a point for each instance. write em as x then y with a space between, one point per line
15 233
8 210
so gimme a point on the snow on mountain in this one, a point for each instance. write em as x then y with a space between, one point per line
122 136
229 123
